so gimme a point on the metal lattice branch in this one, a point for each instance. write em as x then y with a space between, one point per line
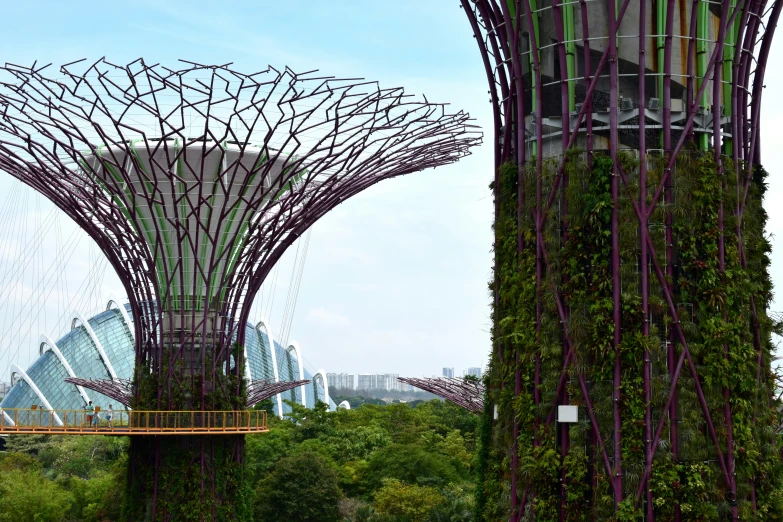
120 390
466 393
193 182
261 389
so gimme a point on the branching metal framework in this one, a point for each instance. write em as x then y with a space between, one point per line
121 390
261 389
462 392
194 182
607 75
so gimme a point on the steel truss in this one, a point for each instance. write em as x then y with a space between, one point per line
466 393
536 115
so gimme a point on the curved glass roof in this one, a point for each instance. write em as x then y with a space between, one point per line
79 350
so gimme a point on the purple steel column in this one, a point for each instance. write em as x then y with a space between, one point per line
669 249
615 231
643 232
538 217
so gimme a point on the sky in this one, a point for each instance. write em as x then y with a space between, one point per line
395 279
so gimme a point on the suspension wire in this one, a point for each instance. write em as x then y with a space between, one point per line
294 289
287 307
47 281
9 220
271 302
95 274
16 270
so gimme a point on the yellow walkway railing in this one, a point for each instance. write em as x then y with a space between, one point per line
135 422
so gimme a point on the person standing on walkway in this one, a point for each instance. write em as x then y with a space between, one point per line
110 416
89 414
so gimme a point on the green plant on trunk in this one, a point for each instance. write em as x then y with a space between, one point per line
188 477
721 308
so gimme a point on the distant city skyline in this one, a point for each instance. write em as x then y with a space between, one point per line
386 381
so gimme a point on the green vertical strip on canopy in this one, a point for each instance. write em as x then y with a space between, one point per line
156 211
205 250
702 33
533 83
570 35
210 290
233 255
729 52
660 46
183 221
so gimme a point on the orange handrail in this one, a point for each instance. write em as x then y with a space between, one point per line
129 422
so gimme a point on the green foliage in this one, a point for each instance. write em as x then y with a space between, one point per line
357 400
412 464
302 488
407 500
339 460
717 266
172 465
28 495
171 468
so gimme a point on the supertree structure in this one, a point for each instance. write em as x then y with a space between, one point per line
630 275
193 183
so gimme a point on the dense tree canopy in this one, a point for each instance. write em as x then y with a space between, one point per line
302 487
375 463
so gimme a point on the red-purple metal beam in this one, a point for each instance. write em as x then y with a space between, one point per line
261 389
466 393
121 390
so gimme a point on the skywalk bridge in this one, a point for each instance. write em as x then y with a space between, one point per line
134 422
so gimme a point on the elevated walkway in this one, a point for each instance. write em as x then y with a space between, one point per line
134 422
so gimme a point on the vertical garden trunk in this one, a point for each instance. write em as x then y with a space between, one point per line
187 478
630 275
710 312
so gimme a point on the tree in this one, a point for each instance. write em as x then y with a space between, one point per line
409 463
406 500
301 488
28 495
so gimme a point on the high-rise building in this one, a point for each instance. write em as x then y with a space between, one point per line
475 372
448 372
344 381
366 381
378 382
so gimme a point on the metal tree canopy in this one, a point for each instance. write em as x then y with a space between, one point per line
193 183
462 392
629 241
